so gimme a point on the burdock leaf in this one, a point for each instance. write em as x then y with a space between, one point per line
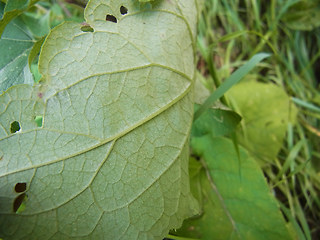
110 159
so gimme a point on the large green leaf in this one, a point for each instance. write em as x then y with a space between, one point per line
266 111
110 160
236 201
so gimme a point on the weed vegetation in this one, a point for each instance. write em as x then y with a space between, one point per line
230 32
255 140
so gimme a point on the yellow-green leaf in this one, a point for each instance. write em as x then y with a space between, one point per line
266 111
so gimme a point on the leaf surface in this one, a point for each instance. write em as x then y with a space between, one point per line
110 160
12 9
15 45
266 110
216 122
236 201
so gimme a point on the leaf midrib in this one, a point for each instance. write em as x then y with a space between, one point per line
102 141
87 186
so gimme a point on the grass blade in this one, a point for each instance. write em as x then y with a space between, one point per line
305 104
232 80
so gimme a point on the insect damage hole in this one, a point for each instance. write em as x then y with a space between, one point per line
38 120
15 127
18 204
111 18
123 10
85 27
20 187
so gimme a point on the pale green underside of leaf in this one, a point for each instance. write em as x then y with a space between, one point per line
111 158
236 201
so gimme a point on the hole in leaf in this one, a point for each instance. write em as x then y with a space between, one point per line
14 127
18 204
123 10
87 28
20 187
111 18
38 120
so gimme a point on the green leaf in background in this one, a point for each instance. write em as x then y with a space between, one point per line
12 9
236 201
32 59
15 5
266 111
216 122
38 25
110 158
15 45
231 81
304 15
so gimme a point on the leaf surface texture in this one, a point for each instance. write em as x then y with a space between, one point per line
235 198
110 160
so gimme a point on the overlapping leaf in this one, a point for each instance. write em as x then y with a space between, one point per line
266 110
110 159
236 201
12 9
15 45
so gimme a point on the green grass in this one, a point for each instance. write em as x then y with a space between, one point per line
231 32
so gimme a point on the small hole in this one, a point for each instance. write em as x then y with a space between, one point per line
111 18
20 187
86 27
38 120
14 127
123 10
18 204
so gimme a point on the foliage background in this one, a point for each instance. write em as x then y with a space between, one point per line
232 31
